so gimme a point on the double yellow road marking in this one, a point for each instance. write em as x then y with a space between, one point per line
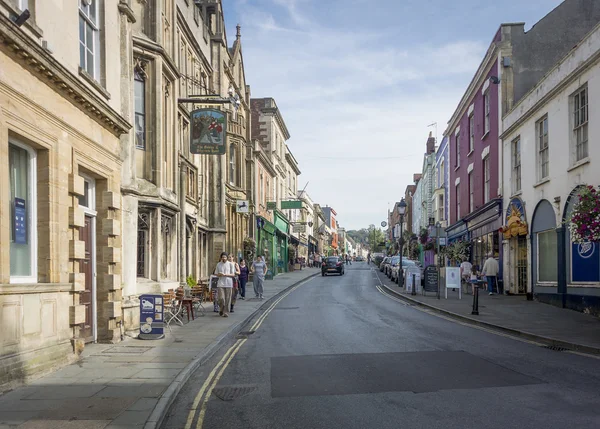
215 375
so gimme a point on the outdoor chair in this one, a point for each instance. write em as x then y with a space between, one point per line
172 309
198 298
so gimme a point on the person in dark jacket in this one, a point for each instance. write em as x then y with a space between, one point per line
244 274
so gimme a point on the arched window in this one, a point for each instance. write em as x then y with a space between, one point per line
232 164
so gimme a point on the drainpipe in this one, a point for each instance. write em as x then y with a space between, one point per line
182 233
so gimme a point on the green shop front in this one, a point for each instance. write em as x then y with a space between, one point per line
281 242
266 242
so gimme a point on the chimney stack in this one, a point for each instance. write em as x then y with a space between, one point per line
430 144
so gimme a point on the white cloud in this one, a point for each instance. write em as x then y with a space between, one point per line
349 97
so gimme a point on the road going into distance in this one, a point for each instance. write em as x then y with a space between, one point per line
336 352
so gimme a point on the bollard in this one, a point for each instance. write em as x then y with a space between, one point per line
475 300
414 287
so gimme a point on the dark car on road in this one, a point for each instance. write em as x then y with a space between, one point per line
332 264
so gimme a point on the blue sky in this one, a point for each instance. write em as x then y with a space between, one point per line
359 81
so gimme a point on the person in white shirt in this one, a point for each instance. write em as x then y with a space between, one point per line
465 271
226 272
490 271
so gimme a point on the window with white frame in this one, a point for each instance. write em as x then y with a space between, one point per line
543 161
440 207
516 165
486 179
232 164
458 201
486 112
23 209
23 4
580 122
471 191
441 174
457 146
471 134
89 38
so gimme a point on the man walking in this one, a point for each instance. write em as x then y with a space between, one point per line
259 268
225 271
490 271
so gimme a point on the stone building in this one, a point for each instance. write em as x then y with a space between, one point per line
551 133
61 120
271 133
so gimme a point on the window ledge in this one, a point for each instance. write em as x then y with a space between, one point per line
517 194
89 79
485 135
541 182
578 164
470 152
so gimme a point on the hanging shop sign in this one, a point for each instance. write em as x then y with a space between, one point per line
209 130
20 222
242 206
289 205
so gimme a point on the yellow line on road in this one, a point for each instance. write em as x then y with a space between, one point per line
216 374
198 397
214 383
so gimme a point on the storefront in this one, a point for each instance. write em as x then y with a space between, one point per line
281 243
313 244
266 242
515 234
483 226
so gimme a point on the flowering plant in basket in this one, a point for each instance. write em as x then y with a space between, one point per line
584 223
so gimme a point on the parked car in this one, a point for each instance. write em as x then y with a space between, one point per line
405 264
393 264
384 263
332 264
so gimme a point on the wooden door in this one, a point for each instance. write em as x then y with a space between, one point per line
86 266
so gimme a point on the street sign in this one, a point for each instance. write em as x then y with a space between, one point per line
209 130
413 272
383 224
299 228
242 206
288 205
453 280
151 317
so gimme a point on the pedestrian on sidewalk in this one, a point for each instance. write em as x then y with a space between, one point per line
465 271
236 283
226 272
490 271
244 274
259 268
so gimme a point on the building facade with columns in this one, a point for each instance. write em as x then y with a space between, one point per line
61 123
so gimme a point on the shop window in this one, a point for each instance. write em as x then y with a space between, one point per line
547 256
23 209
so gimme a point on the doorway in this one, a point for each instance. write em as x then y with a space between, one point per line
87 266
519 264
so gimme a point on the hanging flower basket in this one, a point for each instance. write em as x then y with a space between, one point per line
584 223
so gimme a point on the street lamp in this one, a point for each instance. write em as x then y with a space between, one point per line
401 212
260 223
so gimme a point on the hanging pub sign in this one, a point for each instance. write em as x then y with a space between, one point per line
20 222
209 130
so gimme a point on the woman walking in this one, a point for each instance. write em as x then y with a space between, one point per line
244 274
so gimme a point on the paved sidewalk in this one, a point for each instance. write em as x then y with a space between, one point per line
131 384
514 314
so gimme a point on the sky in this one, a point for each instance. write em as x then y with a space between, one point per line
359 82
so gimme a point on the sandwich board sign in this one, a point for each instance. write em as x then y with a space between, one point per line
151 317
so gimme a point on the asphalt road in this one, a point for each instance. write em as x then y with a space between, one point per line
337 353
